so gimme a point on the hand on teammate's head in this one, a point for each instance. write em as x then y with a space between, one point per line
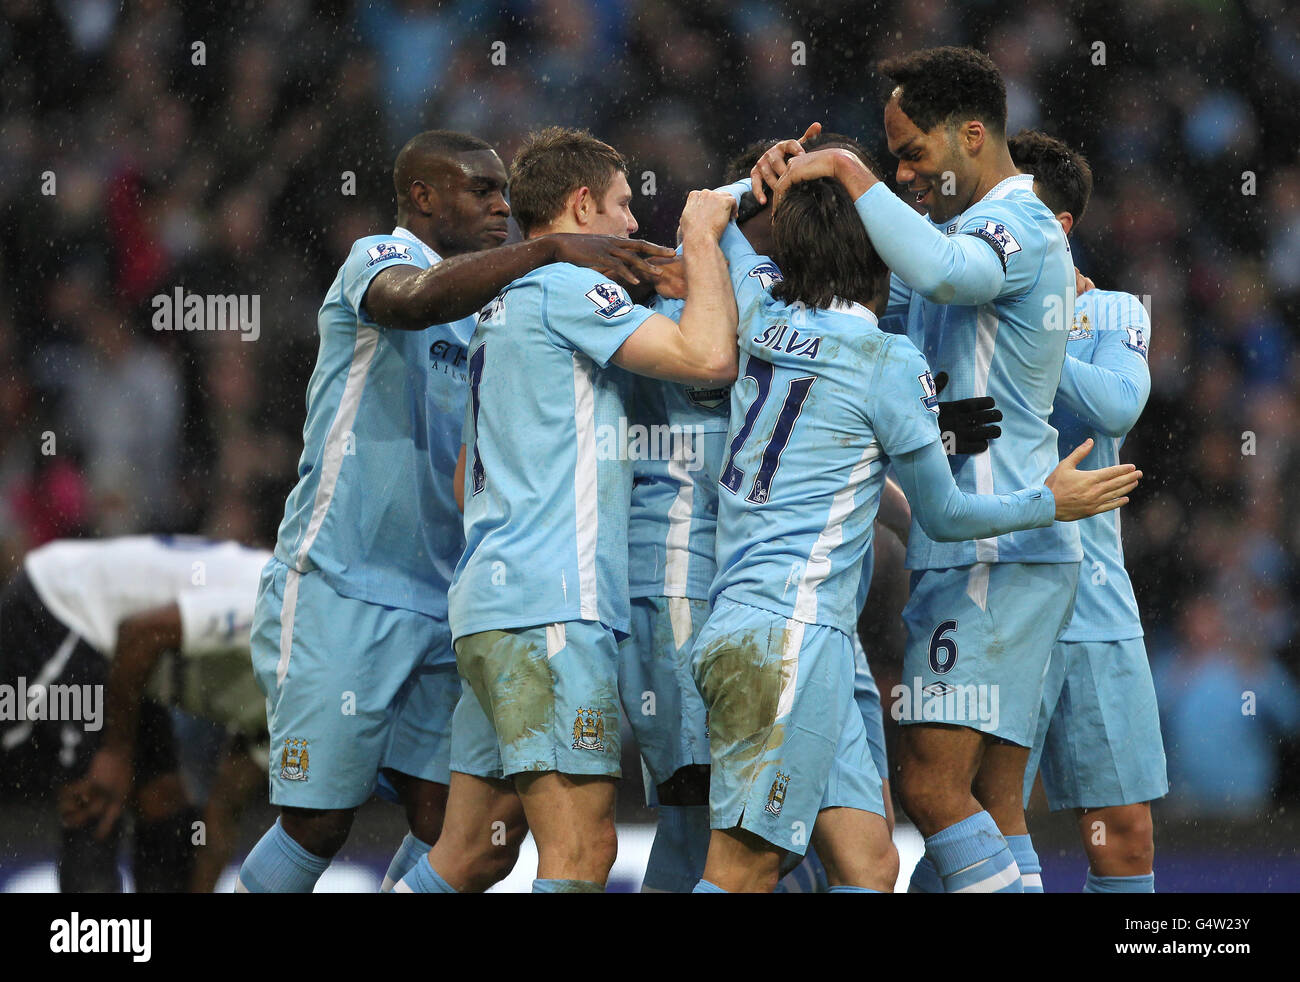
767 172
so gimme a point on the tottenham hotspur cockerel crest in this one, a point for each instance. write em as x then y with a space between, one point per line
589 730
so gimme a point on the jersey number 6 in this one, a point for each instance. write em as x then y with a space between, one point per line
943 651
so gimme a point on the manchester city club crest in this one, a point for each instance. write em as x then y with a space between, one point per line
776 796
1082 329
589 730
293 760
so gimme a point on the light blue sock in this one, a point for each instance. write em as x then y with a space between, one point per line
808 877
849 889
925 878
1120 884
566 886
1031 870
422 878
681 845
972 857
277 864
704 886
408 853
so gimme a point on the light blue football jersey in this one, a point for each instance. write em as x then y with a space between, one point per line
1104 386
677 437
1012 349
374 509
824 397
547 479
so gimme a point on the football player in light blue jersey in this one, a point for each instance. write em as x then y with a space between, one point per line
983 289
540 596
350 641
1099 730
824 401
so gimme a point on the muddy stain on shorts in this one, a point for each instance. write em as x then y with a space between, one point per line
742 684
512 679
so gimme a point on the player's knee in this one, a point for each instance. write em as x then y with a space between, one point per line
603 845
321 833
919 794
883 865
1126 836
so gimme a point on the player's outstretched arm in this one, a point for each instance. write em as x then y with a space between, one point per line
1082 494
410 299
701 347
102 793
948 514
958 269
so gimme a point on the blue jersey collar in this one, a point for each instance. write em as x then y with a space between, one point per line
429 254
1005 186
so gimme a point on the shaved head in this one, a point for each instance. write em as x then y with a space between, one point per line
451 192
428 155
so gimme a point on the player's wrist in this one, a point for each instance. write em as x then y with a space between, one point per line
546 249
853 174
697 238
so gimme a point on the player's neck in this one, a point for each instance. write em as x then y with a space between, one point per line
1000 168
422 229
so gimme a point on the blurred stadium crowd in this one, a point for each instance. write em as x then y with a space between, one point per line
211 148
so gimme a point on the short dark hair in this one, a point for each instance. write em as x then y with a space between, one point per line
411 159
943 85
553 163
821 247
1062 176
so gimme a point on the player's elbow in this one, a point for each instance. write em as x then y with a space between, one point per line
936 289
940 532
717 367
937 525
1117 419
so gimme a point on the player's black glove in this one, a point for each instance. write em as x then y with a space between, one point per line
970 421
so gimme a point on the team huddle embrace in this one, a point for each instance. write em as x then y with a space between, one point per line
488 562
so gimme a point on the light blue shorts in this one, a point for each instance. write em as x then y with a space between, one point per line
657 687
867 696
786 737
1098 739
979 639
350 687
537 699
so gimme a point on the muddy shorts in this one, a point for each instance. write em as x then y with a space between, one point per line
537 699
785 734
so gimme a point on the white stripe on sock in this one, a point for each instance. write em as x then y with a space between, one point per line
992 884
